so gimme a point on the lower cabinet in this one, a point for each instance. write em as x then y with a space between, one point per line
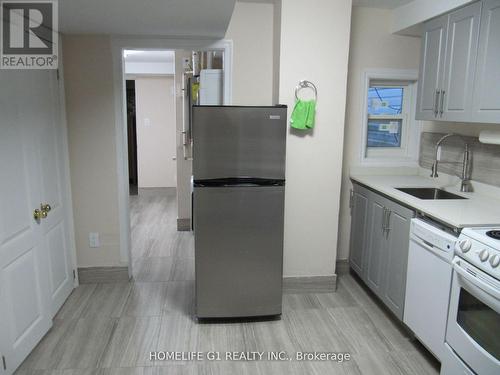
380 230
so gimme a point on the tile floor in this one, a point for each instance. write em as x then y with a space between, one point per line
112 328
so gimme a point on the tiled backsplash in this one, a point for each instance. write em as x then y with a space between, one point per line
485 158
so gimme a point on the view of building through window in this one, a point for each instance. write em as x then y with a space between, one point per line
385 116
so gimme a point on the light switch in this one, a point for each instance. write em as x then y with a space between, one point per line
94 240
147 122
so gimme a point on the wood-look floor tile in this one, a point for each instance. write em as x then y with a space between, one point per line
178 332
48 352
398 337
83 346
148 269
315 330
300 301
107 300
132 342
146 299
74 305
362 334
182 269
180 298
271 336
221 337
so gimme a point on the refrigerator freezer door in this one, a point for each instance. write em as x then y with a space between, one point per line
231 141
238 250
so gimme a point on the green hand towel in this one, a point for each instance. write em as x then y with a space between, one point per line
303 114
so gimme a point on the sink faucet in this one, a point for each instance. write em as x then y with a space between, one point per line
466 166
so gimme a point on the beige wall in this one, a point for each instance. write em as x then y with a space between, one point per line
251 29
314 46
88 79
372 46
155 114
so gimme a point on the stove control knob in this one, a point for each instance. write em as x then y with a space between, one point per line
484 255
465 245
495 261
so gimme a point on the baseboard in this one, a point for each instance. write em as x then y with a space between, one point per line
313 284
95 275
183 225
342 267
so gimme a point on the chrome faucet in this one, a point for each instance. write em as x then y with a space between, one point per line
466 163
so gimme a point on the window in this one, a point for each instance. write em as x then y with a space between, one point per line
385 116
390 133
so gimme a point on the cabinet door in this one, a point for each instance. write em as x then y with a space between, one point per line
461 53
398 234
376 244
486 105
431 67
359 212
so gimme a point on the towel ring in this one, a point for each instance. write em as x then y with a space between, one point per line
303 85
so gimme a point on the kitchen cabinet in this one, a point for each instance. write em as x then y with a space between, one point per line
459 70
431 67
396 257
486 103
380 230
456 94
359 212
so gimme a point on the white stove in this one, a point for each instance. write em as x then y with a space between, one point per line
481 247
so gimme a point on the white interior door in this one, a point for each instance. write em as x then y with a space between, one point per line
24 304
35 262
50 145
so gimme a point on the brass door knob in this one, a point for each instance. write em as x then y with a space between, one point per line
37 214
45 207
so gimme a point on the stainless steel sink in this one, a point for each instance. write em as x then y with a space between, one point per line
430 193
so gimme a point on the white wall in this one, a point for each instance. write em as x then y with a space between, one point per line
372 46
251 29
156 143
156 68
314 46
88 75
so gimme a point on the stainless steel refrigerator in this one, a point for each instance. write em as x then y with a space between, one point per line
238 209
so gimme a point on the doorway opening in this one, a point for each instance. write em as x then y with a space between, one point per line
160 88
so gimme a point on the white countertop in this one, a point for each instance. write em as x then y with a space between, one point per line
482 208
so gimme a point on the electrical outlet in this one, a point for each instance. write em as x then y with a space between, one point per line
94 240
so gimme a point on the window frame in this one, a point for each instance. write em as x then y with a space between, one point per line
407 154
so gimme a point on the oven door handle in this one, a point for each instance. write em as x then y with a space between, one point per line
474 280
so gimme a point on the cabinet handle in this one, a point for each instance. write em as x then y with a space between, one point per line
351 199
441 109
388 222
384 218
436 102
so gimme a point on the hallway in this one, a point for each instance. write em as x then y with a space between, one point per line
110 329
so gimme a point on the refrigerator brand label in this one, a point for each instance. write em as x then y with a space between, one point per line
274 117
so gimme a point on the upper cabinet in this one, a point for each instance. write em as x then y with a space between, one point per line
486 107
431 68
460 65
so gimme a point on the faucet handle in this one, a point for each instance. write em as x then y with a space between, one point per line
434 169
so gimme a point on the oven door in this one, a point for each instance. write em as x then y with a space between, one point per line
474 318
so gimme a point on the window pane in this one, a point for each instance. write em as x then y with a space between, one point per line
384 133
385 100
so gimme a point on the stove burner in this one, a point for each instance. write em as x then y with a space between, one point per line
495 234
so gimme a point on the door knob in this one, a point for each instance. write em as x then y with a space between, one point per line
37 214
45 207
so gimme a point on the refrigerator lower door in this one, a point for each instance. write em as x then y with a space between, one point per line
238 250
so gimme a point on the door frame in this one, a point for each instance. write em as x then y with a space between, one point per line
66 178
118 45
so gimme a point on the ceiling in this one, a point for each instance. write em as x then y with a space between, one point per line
148 56
176 18
385 4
